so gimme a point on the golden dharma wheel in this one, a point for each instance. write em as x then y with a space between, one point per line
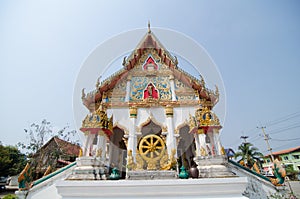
151 147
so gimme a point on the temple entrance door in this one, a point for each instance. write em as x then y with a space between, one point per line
117 151
186 148
151 128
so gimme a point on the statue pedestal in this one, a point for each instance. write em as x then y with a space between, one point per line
212 167
88 168
151 175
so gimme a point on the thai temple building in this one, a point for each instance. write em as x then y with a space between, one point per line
151 132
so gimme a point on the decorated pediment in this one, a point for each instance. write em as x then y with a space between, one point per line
150 75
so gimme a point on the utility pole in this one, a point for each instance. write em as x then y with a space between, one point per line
266 138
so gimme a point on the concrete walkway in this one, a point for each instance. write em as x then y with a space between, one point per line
296 187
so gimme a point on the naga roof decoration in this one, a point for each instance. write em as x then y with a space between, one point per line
147 46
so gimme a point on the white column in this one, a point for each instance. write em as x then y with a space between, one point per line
132 142
128 84
217 141
101 144
88 143
211 143
202 143
172 85
85 145
171 139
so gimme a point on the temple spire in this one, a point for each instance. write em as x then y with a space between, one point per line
149 30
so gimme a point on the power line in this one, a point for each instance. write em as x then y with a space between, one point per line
284 129
258 138
283 118
254 138
292 139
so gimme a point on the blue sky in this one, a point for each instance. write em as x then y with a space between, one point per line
255 45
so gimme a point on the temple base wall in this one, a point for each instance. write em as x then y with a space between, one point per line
172 188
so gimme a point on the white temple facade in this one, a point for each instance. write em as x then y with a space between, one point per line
160 113
151 132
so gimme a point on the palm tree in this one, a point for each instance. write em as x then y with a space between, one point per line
249 155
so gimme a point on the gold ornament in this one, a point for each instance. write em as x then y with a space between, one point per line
151 149
207 118
133 112
98 119
139 162
80 152
192 122
203 152
164 161
130 163
223 151
99 153
169 111
168 162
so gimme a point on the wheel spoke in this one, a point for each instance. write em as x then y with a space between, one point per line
156 142
146 152
148 143
145 147
151 154
159 147
151 140
157 153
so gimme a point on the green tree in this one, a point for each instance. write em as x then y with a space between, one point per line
12 161
248 154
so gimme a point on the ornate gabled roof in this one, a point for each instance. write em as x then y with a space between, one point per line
150 41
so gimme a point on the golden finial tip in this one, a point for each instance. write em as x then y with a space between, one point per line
149 30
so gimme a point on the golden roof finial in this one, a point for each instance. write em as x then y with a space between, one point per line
149 30
202 80
83 95
98 82
217 90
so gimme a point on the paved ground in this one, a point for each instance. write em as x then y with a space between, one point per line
296 187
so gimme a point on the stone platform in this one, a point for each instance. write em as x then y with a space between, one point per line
151 175
88 168
213 167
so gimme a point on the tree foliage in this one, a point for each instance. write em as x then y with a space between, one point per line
12 161
248 154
